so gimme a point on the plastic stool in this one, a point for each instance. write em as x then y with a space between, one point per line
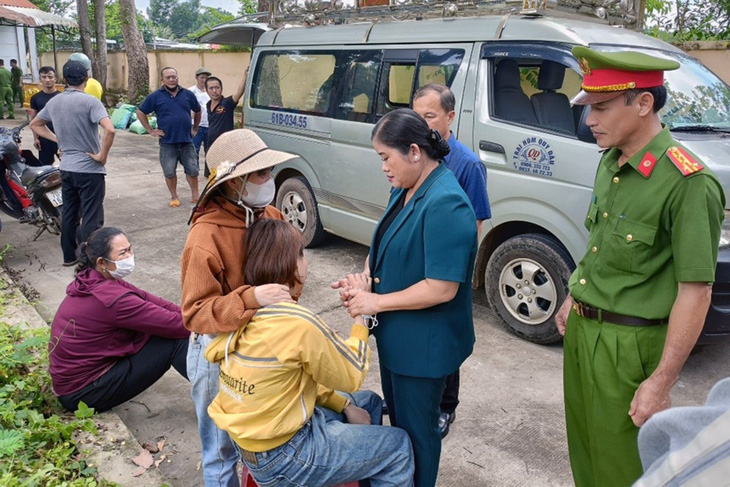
248 481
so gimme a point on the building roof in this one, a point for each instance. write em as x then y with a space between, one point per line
18 3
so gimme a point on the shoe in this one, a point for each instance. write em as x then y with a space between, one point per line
445 421
174 203
71 264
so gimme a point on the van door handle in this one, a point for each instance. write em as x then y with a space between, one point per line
485 145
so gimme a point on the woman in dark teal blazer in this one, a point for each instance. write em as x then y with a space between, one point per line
421 261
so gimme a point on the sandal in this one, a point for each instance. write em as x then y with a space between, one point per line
174 203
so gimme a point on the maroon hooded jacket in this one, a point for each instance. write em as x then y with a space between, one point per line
100 321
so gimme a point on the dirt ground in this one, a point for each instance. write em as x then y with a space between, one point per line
510 429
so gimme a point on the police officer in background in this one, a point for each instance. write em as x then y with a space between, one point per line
639 296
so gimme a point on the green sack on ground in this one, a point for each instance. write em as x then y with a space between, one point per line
122 115
137 127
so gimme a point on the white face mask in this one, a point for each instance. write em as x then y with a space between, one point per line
259 195
124 268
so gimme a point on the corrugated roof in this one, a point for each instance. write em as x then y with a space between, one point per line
17 3
36 17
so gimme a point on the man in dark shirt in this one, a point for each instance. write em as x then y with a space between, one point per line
172 103
220 109
47 149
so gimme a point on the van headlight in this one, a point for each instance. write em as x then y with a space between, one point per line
725 231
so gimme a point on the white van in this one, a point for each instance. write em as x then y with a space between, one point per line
317 91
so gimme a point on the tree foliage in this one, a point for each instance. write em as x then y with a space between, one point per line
688 20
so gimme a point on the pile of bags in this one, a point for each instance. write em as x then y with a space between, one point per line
125 116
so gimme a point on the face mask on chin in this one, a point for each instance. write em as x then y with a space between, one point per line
124 268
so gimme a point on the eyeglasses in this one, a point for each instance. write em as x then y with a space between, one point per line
174 76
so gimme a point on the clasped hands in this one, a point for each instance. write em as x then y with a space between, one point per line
356 296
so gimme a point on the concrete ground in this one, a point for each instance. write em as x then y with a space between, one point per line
509 431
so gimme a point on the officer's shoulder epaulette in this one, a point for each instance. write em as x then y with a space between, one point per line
683 161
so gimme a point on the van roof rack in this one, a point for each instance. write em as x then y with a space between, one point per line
323 12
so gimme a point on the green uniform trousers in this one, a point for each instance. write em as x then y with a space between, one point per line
603 365
6 98
19 94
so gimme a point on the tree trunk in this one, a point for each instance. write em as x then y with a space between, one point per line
100 64
82 8
137 66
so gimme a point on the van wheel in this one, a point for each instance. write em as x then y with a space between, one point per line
296 201
526 282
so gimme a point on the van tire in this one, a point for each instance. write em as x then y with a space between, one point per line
296 201
529 315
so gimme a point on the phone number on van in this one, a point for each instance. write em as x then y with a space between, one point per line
289 120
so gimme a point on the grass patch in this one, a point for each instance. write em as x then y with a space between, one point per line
36 445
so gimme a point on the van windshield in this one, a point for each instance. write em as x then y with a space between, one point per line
696 98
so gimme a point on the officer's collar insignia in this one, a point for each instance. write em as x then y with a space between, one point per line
585 68
683 161
647 164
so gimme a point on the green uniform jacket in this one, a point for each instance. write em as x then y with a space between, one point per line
434 236
651 227
5 78
16 76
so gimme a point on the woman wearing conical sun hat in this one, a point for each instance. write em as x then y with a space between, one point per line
214 297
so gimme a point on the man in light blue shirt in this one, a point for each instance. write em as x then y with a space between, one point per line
436 103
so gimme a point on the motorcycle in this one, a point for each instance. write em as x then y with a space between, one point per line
28 193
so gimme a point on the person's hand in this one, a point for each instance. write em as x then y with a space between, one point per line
362 302
37 143
356 415
97 157
651 397
157 133
272 293
343 287
561 317
359 281
194 132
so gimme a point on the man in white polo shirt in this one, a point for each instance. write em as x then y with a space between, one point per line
201 138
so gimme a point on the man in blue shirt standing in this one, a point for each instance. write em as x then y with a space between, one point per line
173 104
436 103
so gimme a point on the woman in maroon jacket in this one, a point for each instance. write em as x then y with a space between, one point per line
110 340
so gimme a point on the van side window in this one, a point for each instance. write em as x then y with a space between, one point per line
412 69
295 81
360 78
535 92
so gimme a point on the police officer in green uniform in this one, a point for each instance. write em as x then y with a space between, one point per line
639 296
6 91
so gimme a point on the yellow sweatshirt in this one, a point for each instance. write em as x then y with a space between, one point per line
275 369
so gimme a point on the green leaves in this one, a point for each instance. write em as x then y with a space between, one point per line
84 411
36 435
10 442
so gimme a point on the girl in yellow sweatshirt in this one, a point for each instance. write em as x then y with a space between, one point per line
278 377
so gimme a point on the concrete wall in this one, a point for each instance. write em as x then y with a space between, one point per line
228 66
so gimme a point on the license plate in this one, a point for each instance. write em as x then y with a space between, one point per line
55 197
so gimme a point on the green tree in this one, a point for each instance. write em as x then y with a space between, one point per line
253 6
209 18
687 20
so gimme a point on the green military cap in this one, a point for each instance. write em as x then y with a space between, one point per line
607 74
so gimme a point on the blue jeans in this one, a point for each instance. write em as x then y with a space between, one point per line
219 454
201 139
327 451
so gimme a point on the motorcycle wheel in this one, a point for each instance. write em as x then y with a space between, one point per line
52 217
